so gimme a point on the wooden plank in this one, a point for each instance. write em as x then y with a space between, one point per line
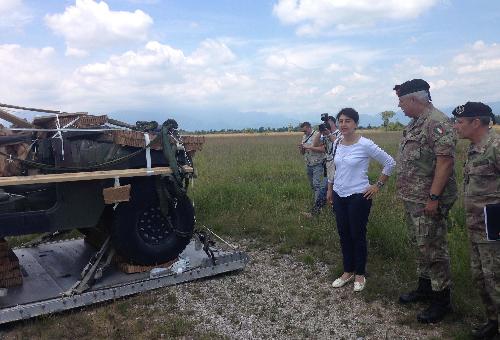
87 176
14 119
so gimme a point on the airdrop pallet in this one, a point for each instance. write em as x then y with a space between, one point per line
51 269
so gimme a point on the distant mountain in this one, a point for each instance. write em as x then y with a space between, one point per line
217 120
212 120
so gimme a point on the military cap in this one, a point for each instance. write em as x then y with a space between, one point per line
411 86
472 109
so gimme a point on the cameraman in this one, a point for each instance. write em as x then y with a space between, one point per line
326 139
314 157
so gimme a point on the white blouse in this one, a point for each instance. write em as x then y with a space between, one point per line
351 166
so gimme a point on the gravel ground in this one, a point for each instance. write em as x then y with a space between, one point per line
277 297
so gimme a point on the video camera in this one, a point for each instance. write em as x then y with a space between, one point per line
324 117
323 127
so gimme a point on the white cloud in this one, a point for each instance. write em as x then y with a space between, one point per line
336 90
89 25
211 51
333 68
9 5
470 75
76 52
13 14
314 16
29 74
357 77
480 57
281 79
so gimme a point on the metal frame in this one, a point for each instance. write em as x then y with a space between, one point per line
225 262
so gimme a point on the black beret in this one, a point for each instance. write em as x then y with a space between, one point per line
472 109
411 86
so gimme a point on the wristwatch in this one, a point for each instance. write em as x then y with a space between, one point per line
433 197
380 184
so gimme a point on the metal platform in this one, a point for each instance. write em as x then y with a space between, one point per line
50 269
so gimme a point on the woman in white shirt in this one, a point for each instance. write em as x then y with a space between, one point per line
351 194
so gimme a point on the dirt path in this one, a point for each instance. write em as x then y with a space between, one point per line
277 297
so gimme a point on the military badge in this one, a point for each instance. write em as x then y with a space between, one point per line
439 130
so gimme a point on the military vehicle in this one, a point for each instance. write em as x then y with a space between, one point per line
122 186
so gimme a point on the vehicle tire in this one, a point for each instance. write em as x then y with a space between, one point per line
141 234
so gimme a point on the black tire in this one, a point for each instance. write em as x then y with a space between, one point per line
142 235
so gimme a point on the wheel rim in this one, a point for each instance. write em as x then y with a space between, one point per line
153 227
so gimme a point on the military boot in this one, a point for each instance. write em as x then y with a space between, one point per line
422 293
440 306
486 331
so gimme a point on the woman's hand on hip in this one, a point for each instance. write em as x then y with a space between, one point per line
370 192
329 195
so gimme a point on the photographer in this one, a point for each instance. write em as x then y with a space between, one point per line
314 157
326 139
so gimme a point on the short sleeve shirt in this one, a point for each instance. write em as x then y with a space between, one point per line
426 137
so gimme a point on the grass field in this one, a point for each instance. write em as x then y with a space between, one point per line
255 186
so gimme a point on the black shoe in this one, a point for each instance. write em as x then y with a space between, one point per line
486 331
440 306
422 293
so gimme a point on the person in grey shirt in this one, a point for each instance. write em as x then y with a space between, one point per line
314 158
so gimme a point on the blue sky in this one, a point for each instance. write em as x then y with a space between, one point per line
274 61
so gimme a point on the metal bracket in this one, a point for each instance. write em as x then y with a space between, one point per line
202 239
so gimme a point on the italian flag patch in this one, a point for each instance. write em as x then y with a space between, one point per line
439 130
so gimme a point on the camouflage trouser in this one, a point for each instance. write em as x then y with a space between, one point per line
315 176
485 268
429 233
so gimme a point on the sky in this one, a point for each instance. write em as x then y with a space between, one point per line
227 63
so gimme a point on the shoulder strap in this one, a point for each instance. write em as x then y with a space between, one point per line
337 141
312 133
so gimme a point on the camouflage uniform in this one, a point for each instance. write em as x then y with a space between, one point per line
330 149
314 166
426 137
481 187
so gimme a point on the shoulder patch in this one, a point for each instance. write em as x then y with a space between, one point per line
439 130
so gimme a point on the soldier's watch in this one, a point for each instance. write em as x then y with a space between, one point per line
433 197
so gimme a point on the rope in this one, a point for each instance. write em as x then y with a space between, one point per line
38 165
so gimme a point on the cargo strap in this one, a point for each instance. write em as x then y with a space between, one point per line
93 270
148 154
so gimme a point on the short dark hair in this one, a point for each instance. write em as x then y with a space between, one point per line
484 120
332 119
349 112
305 124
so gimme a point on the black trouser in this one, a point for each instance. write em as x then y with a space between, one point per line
352 217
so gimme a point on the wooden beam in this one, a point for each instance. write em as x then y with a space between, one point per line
14 119
86 176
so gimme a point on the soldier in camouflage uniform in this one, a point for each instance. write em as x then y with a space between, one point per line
482 187
426 183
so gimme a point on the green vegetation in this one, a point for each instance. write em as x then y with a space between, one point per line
386 116
256 187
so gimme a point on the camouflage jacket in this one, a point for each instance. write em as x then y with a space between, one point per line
425 137
311 157
481 179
